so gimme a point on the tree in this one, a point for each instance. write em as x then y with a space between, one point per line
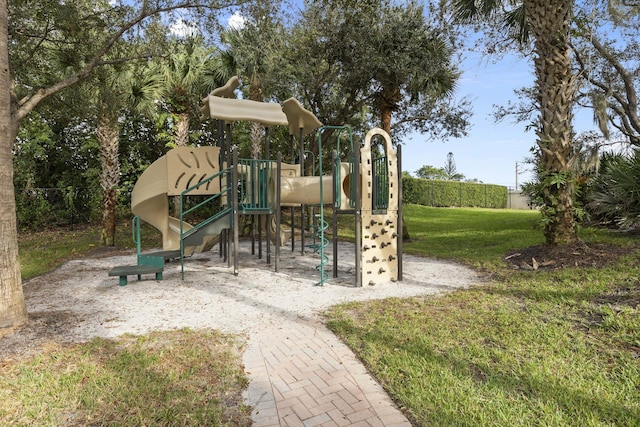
253 52
614 196
446 173
12 306
450 169
431 172
548 23
606 50
117 89
31 35
413 61
361 63
189 73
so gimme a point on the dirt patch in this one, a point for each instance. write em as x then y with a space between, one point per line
579 254
41 328
626 295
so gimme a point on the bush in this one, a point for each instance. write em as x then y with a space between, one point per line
613 196
38 208
428 192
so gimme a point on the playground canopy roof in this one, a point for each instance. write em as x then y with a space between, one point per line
229 110
299 118
221 104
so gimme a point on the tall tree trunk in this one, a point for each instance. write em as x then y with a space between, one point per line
13 310
555 85
108 137
182 130
387 100
256 136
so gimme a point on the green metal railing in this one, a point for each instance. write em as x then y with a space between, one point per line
320 224
256 176
380 184
225 186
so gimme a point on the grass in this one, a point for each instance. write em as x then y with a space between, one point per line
477 237
42 251
557 348
527 348
163 379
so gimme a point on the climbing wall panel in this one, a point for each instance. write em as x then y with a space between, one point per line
379 243
379 248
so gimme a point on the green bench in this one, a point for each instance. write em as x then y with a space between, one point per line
147 264
129 270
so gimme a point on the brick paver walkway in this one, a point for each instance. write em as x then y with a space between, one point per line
302 375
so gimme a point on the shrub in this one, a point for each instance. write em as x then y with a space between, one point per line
436 193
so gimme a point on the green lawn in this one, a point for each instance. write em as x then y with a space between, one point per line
526 348
175 378
557 348
473 236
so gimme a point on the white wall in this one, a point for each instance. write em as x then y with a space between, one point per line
517 200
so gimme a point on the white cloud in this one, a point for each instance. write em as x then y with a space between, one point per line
236 21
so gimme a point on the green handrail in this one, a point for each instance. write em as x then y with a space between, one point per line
135 234
224 173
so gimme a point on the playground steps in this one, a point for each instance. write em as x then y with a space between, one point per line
166 255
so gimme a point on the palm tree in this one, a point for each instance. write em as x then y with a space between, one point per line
548 22
251 54
189 74
413 61
125 88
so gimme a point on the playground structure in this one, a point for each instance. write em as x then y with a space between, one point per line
262 188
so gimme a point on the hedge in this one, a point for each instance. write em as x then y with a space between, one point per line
453 193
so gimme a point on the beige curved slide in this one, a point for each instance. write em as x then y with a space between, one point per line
171 174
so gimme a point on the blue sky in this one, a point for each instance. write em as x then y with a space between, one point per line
490 151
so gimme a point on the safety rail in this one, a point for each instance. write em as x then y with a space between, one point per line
337 165
255 176
225 185
380 191
320 225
